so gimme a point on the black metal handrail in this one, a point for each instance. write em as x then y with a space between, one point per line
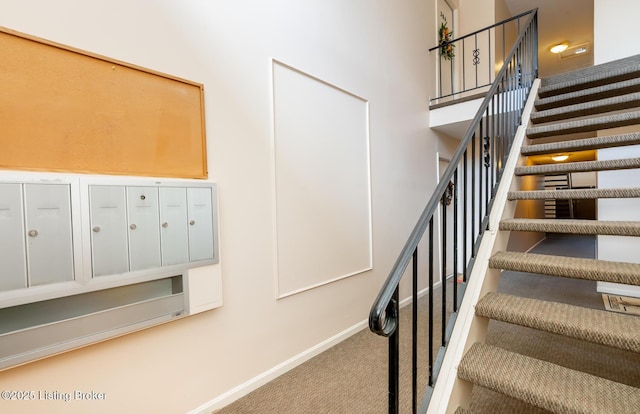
470 182
473 84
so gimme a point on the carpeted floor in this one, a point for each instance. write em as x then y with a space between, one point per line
352 376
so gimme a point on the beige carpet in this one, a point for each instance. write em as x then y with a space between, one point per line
352 376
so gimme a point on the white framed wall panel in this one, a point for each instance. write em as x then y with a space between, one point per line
322 181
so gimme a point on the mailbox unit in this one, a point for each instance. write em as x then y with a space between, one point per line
83 259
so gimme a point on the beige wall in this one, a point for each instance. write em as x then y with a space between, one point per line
607 16
475 14
376 50
615 29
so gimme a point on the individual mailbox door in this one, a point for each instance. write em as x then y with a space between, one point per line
13 268
48 227
173 225
108 230
200 223
144 233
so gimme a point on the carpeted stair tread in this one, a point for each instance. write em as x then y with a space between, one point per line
573 226
600 106
590 94
592 325
593 76
571 267
585 125
462 410
580 194
582 144
545 385
582 166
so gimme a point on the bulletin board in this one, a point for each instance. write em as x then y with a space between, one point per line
63 109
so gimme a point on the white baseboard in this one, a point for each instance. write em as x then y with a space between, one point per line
269 375
618 289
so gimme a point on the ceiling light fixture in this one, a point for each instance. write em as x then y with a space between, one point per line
559 48
559 158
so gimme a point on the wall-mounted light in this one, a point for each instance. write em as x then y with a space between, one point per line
558 158
559 48
576 50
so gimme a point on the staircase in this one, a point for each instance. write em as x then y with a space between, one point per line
582 102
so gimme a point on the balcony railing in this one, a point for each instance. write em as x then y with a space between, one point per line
468 186
477 58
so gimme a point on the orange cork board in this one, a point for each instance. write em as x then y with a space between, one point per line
63 109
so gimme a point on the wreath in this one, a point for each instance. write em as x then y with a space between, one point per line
446 47
448 194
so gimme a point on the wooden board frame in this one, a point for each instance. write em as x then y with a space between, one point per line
67 110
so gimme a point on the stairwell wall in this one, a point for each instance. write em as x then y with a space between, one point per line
615 31
376 50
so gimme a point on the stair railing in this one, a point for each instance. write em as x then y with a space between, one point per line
468 184
467 63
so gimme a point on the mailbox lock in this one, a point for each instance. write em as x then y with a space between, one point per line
133 227
33 233
165 225
96 229
192 222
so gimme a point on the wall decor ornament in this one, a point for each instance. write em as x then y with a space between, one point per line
445 37
447 197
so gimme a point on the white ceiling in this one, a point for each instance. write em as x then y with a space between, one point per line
559 21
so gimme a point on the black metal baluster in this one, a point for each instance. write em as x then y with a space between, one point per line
475 56
465 237
503 117
487 162
480 166
443 273
492 146
414 343
473 195
464 75
451 75
394 359
439 73
455 241
430 350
